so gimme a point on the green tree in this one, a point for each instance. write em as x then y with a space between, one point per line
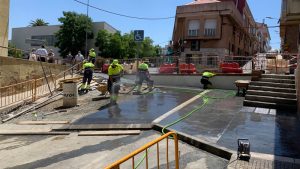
13 51
72 33
102 42
158 50
38 22
147 49
116 47
130 47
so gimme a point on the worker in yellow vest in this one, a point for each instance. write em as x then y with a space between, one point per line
143 74
92 56
205 79
88 68
115 71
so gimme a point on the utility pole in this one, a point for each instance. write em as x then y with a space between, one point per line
86 33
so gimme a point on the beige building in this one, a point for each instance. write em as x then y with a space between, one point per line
212 29
26 38
290 25
264 37
4 15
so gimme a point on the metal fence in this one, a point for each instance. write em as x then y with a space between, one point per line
145 159
28 90
268 62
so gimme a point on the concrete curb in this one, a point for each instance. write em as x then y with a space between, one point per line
201 144
105 127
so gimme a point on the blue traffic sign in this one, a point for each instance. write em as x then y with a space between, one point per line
138 35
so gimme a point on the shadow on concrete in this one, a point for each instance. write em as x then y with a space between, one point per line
102 146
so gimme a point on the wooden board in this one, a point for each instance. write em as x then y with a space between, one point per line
109 133
32 132
41 122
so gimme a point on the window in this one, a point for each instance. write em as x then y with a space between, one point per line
210 27
212 61
194 26
195 45
49 39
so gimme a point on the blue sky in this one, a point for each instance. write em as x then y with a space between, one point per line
23 11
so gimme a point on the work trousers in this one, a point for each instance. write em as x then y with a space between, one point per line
87 76
205 81
144 75
113 84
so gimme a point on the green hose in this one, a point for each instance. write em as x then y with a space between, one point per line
205 99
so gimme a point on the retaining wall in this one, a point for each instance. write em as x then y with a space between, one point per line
221 81
14 70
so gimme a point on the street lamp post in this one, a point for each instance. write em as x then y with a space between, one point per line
86 33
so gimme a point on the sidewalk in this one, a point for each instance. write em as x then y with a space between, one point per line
264 162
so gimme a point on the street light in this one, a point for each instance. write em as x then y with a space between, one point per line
86 33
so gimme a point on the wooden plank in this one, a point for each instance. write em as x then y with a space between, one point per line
41 122
31 132
109 133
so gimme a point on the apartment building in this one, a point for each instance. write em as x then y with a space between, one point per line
213 29
264 37
290 25
26 38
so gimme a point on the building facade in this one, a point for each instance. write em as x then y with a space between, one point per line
26 38
4 15
213 29
264 37
290 25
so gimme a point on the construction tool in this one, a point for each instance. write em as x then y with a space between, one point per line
243 151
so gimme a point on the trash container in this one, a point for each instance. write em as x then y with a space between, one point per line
70 91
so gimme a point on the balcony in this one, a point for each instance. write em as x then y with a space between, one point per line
194 32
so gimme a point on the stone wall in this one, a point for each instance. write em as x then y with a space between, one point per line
14 70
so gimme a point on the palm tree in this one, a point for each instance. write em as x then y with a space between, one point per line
38 22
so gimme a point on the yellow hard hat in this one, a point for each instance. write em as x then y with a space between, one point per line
115 61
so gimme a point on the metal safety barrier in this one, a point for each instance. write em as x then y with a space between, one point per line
31 90
145 149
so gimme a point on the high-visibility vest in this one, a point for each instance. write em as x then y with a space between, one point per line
143 66
115 71
208 74
92 54
88 65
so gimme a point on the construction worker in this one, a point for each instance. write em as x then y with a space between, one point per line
143 74
205 79
114 73
92 56
87 75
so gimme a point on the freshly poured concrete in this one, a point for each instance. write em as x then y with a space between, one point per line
134 111
223 121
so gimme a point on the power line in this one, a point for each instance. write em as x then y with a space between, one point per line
123 15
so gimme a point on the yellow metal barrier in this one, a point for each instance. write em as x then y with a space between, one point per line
116 165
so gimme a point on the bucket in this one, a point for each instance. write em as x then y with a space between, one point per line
70 94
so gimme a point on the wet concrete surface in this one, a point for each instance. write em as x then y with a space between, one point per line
209 122
137 109
223 121
278 135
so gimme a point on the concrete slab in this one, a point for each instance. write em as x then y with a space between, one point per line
135 110
95 152
223 121
209 122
